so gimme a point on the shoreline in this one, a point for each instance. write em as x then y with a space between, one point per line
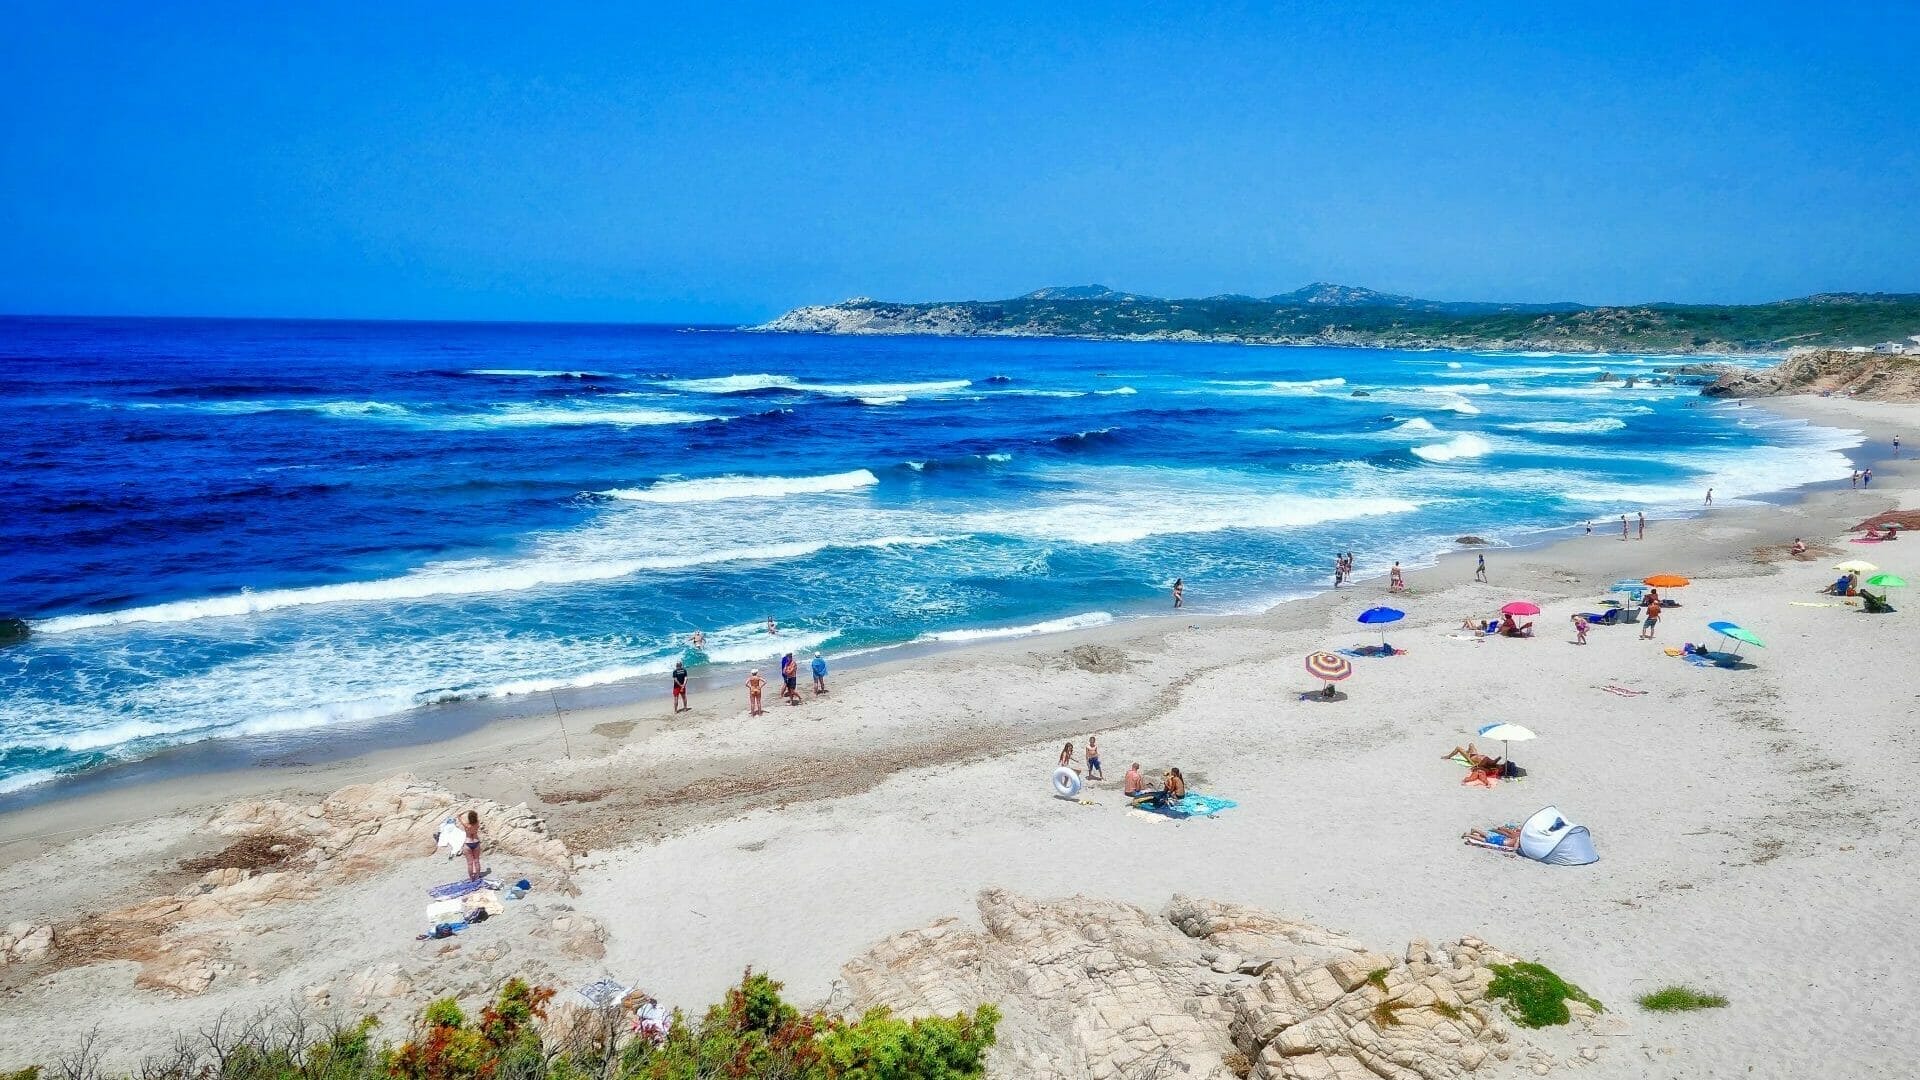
1744 846
456 735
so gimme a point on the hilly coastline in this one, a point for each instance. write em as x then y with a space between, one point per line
1326 314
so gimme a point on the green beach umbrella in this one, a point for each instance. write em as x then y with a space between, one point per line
1737 633
1887 581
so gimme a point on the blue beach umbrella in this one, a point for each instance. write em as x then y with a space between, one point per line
1380 616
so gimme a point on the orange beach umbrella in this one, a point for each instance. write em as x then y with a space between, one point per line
1666 581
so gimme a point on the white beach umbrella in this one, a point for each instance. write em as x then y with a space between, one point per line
1506 733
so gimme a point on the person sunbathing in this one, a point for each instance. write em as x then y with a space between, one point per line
1507 836
1473 758
1509 629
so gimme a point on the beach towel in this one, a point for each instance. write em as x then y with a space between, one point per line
1372 650
1621 691
602 993
1504 849
1814 603
1191 806
460 888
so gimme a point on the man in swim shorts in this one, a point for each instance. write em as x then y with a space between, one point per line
819 674
680 703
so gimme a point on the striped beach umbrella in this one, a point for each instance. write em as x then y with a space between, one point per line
1329 667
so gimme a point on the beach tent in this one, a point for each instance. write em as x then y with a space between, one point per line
1549 837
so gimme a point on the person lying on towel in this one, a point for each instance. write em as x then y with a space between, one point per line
1506 836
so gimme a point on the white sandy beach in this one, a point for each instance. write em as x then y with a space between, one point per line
1754 825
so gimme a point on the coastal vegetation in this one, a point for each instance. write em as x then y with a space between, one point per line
1680 999
753 1034
1341 315
1533 996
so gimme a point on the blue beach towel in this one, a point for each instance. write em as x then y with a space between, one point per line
1191 806
460 888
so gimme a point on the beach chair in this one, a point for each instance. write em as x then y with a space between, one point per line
1876 605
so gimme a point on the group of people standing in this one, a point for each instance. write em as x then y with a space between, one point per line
756 683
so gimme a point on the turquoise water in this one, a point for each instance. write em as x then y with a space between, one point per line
236 530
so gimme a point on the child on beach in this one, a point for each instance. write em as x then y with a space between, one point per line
1652 619
1579 629
1066 756
1093 759
755 684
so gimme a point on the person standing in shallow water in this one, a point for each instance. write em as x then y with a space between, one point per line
1623 528
1179 592
1709 496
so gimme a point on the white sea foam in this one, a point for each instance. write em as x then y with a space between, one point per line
1171 505
1419 425
734 384
1458 448
466 578
715 489
1051 626
1570 427
883 400
539 416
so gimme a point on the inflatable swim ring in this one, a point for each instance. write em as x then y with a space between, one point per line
1066 782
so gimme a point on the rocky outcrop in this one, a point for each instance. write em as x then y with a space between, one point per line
14 631
1871 375
351 834
1100 989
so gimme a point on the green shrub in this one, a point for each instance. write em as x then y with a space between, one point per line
1534 996
754 1034
1680 999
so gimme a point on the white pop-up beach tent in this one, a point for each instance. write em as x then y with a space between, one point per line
1549 837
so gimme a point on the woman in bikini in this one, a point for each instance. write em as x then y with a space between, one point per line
755 684
471 826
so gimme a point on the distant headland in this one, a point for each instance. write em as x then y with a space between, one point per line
1325 314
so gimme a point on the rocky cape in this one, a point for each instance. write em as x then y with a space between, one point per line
1871 375
1325 314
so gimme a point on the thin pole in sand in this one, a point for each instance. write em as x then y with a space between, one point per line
561 717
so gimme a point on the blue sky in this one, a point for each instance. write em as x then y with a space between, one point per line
624 162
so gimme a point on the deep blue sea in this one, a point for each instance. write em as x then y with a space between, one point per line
230 529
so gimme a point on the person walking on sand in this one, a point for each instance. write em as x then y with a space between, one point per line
1179 592
1480 568
1866 477
680 686
1652 619
1579 629
1093 759
1709 496
755 684
1396 583
1856 478
819 674
470 825
1643 523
